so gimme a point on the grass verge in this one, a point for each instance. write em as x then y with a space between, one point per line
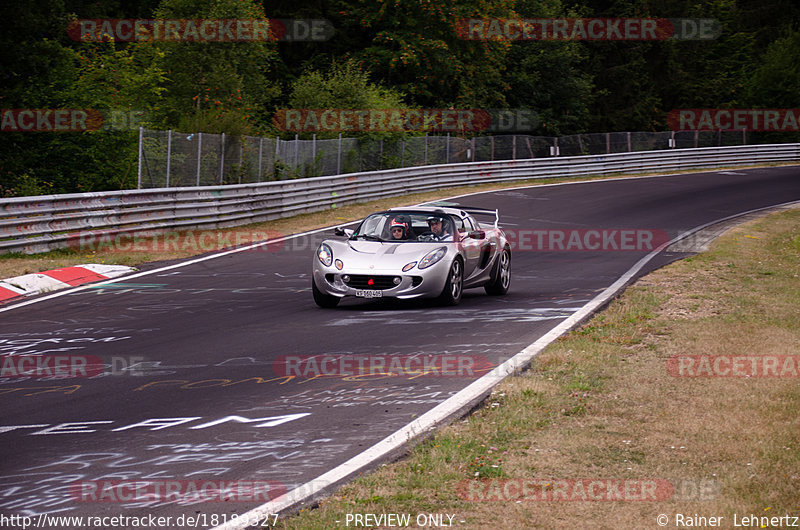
601 403
16 264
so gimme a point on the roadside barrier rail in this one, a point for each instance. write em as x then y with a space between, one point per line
44 222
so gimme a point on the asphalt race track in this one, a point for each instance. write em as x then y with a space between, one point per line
194 387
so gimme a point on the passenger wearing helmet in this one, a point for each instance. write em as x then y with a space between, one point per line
399 228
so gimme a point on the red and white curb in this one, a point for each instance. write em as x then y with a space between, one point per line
46 281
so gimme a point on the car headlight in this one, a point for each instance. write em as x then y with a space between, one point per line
432 257
325 255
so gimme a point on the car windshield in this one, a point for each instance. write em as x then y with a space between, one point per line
406 227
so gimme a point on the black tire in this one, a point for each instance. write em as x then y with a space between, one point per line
501 279
323 300
454 286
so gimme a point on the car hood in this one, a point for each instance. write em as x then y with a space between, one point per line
389 248
380 255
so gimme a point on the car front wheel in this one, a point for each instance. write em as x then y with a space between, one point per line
323 300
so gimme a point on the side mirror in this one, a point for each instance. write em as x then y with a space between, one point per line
477 234
339 231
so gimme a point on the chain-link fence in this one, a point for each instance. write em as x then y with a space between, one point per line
171 159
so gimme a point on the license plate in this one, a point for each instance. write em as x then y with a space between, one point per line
367 293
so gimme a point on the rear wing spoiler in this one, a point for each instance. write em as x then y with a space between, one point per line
482 211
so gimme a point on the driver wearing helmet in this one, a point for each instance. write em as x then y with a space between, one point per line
438 229
399 229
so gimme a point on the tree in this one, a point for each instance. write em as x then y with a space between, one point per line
549 77
215 86
343 86
417 48
776 80
775 83
47 70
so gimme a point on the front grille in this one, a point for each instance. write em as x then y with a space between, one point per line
361 281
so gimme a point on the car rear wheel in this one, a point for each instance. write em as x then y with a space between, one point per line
451 295
502 276
323 300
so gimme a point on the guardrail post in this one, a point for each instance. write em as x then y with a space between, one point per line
696 138
402 152
169 153
139 171
744 136
199 154
629 142
222 159
447 150
672 140
425 162
608 143
492 137
514 147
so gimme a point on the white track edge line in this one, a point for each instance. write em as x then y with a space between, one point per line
453 404
431 418
166 268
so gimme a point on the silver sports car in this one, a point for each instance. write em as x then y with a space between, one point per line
420 252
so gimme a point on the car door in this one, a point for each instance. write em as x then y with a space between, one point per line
471 248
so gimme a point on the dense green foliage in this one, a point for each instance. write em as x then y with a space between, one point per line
389 54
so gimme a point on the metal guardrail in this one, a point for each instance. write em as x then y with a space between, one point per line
36 224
